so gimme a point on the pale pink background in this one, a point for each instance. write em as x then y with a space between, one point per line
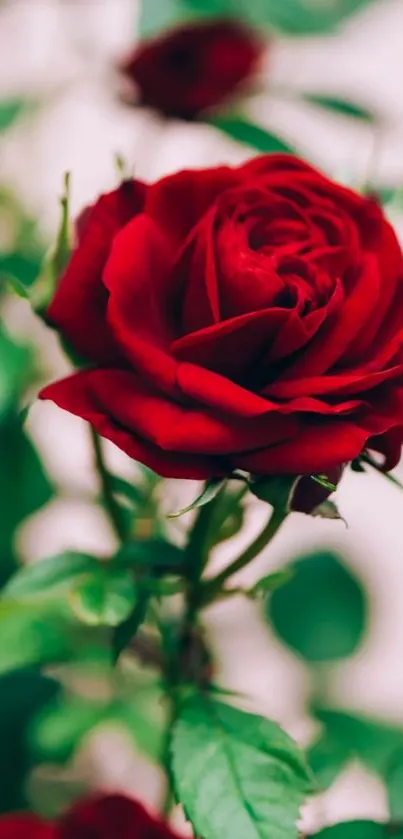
67 50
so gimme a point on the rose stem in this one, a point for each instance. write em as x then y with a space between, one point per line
214 586
111 506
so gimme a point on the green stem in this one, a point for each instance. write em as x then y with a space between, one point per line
214 586
111 505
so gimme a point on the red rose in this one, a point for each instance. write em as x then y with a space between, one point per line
248 317
107 817
194 68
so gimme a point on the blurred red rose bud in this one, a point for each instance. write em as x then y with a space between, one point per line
193 68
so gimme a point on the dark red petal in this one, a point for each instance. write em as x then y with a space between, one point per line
309 494
177 203
109 816
78 309
136 274
26 826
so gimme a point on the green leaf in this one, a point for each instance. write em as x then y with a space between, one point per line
321 612
271 581
236 774
24 485
10 110
249 134
105 597
210 492
42 291
277 491
360 830
324 482
151 554
394 786
22 695
59 729
343 107
328 510
346 737
15 370
32 636
132 494
54 573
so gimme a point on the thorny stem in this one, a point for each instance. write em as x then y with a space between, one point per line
112 507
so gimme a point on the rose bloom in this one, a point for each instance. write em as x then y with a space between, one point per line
193 68
107 817
247 318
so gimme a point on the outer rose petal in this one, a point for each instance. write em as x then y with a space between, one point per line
72 395
122 396
78 309
26 826
111 817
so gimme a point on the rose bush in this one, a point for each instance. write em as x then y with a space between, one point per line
244 317
104 817
193 68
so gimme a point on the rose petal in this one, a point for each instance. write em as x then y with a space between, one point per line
78 309
136 274
25 826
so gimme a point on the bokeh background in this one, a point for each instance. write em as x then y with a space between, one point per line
62 56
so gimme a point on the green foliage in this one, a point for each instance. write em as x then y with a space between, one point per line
151 554
293 17
346 737
49 576
15 368
32 635
104 597
359 830
22 694
236 774
249 134
10 110
210 491
321 612
394 785
342 107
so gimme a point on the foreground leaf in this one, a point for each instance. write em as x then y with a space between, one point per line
321 612
271 581
249 134
105 597
22 694
44 577
10 110
359 830
236 774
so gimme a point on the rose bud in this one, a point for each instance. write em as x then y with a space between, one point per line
244 318
194 68
100 817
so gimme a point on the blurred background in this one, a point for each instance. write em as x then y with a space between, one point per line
58 66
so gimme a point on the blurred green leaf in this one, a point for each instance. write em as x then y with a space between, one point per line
32 636
15 369
328 510
59 729
210 491
151 554
10 110
126 630
249 134
343 107
20 270
53 573
346 737
22 694
394 785
105 597
321 612
257 773
24 485
358 830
